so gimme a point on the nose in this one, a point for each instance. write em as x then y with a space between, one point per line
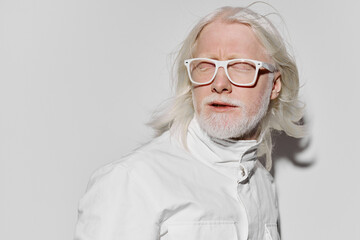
221 82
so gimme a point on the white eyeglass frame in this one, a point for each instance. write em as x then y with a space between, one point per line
271 68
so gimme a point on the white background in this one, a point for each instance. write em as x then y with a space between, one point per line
79 78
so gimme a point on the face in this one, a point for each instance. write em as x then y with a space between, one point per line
225 110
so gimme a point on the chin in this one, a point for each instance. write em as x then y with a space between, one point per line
230 125
223 125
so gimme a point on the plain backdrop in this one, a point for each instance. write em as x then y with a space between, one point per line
80 78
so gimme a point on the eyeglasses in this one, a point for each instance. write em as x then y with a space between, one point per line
240 72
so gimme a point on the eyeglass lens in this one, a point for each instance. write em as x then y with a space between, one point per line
241 72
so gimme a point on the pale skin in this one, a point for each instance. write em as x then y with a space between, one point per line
225 41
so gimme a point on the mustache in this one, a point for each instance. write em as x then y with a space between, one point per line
224 99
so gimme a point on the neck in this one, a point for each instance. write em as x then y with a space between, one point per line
228 152
252 135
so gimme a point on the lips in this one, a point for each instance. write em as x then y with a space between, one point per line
221 107
218 104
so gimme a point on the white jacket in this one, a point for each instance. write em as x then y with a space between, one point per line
217 190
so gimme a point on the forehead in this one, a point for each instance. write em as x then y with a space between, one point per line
220 40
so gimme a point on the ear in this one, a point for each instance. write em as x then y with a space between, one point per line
276 86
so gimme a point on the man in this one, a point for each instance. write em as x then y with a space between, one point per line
201 178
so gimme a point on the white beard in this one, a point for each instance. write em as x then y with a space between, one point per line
225 126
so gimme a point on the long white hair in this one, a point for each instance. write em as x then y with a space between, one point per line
284 112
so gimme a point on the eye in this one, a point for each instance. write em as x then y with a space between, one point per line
203 66
241 66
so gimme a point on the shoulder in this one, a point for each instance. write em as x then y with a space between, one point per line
161 157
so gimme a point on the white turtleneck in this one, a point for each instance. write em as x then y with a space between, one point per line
215 190
234 158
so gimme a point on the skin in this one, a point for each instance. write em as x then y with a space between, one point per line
224 41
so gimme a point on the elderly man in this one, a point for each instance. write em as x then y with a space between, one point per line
201 177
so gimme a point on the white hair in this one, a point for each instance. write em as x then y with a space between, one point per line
284 112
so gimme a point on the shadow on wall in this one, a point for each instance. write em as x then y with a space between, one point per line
290 148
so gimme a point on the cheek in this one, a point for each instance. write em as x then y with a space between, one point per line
253 98
198 95
261 99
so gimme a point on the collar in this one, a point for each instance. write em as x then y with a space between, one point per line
235 159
